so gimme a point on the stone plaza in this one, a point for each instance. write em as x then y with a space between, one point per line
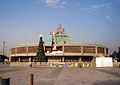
61 75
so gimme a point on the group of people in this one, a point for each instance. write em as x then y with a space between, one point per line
3 59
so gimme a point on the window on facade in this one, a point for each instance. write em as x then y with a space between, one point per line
88 49
72 49
59 48
100 50
106 51
32 49
22 50
13 51
48 49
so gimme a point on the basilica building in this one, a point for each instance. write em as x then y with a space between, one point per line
59 48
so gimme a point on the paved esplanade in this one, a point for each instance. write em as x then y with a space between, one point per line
62 76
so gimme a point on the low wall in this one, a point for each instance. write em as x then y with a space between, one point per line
116 64
20 64
58 64
29 64
52 64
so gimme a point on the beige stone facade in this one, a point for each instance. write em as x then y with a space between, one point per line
64 53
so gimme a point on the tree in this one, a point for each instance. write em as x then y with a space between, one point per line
40 56
114 55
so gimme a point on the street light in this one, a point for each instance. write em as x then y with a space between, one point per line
3 47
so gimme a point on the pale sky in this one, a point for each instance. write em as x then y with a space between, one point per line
89 21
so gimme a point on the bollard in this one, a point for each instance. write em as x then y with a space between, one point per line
31 79
4 81
80 66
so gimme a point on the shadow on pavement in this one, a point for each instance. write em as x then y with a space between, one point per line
9 70
110 72
50 78
55 73
108 82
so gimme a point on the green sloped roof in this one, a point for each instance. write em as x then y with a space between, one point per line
60 40
48 40
64 40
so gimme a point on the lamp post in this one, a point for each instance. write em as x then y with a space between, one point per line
3 47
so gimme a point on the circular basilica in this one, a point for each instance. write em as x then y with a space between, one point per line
59 48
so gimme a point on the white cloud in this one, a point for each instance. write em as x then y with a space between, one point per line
51 2
108 17
97 7
106 5
55 3
118 1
